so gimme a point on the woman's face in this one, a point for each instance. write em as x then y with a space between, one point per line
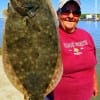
69 16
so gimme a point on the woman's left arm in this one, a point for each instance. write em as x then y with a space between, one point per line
95 84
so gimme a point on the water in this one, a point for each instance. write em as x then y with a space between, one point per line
91 26
1 30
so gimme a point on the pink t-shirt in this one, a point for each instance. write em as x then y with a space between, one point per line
78 56
79 60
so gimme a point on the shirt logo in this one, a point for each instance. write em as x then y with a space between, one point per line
77 51
76 47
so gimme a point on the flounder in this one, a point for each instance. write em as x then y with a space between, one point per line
30 48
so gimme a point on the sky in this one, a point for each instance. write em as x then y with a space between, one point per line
87 6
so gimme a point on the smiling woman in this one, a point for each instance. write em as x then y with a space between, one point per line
77 46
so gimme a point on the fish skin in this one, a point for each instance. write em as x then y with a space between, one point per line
30 48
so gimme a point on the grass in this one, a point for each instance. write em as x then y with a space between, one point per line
98 74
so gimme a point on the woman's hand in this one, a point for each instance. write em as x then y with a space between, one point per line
95 93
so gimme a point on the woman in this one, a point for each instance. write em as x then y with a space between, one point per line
78 53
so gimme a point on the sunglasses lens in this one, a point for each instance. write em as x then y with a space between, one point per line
67 11
76 13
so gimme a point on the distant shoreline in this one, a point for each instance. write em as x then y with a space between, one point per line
89 19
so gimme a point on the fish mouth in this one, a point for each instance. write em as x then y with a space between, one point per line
25 7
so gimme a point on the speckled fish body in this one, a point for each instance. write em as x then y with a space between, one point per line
30 47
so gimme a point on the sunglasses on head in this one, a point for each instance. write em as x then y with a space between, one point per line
67 11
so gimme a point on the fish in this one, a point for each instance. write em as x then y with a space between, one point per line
30 49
